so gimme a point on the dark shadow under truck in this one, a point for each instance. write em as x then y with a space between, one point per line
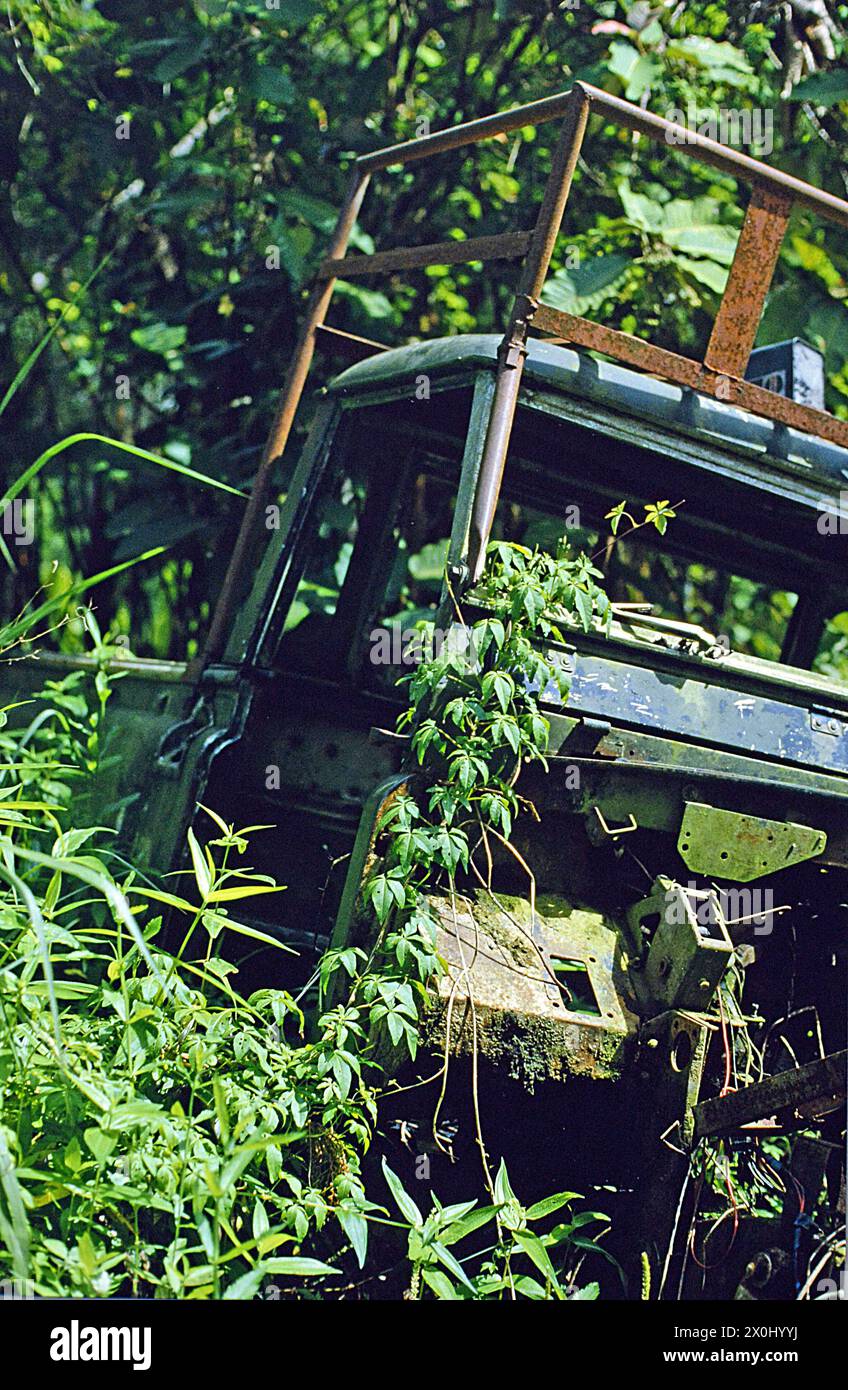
693 817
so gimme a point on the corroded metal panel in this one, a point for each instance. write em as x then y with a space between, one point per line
703 708
502 987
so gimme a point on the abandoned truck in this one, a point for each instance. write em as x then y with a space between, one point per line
691 825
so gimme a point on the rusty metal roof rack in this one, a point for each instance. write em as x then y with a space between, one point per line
720 374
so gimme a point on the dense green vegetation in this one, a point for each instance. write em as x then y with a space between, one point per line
160 1134
173 177
173 173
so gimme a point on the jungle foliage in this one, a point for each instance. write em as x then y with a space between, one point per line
173 173
161 1134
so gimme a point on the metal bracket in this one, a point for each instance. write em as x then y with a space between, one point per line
689 949
726 844
825 721
514 347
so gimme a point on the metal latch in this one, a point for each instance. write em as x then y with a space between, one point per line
827 721
602 831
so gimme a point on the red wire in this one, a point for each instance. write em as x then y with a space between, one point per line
726 1041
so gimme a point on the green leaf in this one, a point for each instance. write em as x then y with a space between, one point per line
721 62
170 899
502 686
401 1196
181 57
201 869
221 1109
23 479
641 211
100 1143
249 890
533 1247
511 1212
87 1255
693 227
614 516
373 304
583 289
15 1228
705 272
297 1264
247 1285
585 1295
531 1288
637 71
73 1155
385 893
583 604
355 1227
342 1073
261 1224
550 1204
439 1283
297 11
822 88
452 1263
272 85
458 1230
160 337
429 562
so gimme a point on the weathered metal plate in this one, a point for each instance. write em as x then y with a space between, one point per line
504 962
727 844
608 686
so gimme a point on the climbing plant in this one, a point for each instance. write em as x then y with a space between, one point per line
163 1134
475 717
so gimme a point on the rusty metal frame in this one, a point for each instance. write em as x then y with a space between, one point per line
798 1094
721 374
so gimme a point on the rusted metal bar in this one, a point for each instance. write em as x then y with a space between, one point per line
348 345
241 558
507 246
812 1089
568 328
513 349
735 328
708 151
684 371
469 133
630 117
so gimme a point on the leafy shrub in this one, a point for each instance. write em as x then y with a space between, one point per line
162 1135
